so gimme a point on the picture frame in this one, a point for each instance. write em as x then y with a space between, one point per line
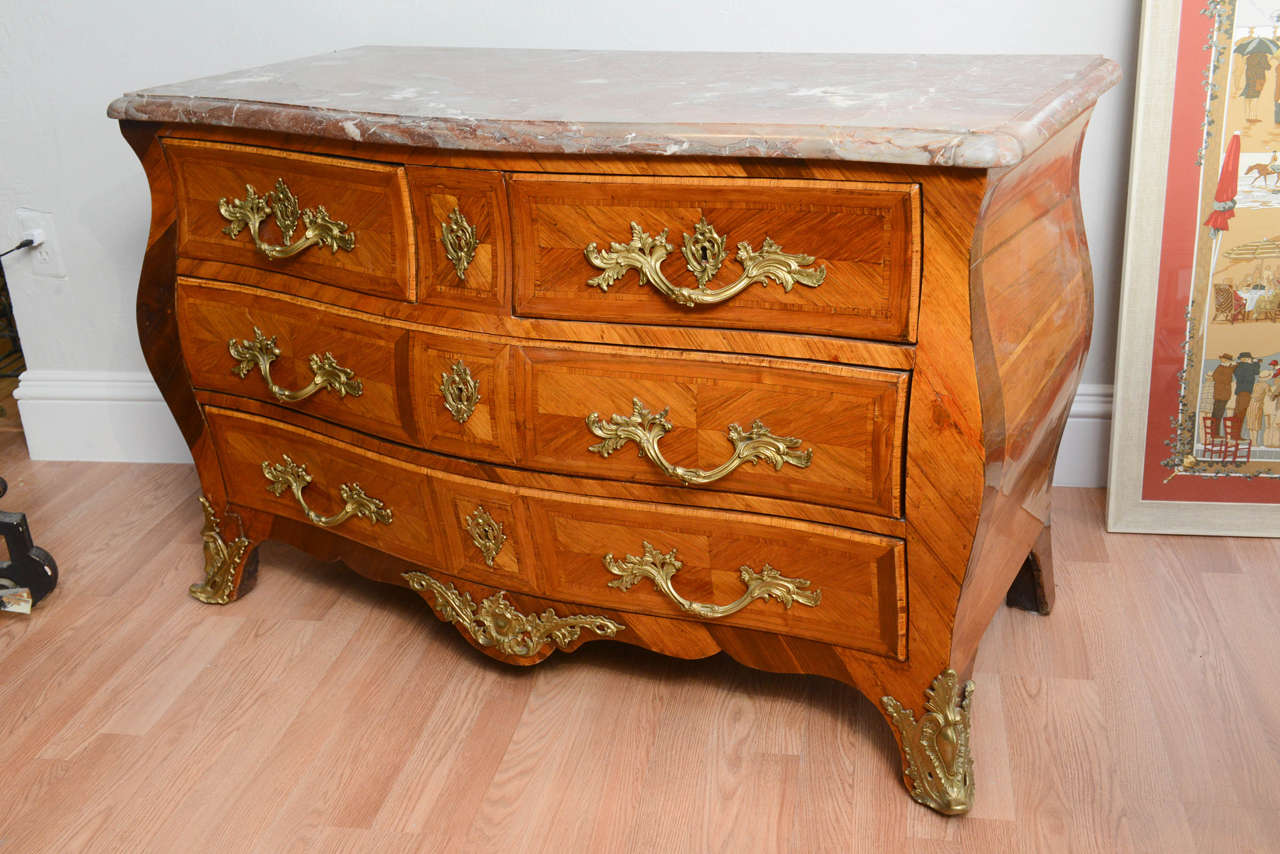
1183 460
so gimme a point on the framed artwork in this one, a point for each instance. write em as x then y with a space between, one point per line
1195 444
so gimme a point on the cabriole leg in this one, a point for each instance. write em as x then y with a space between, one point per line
230 566
937 766
1032 589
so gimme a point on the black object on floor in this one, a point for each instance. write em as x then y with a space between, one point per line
28 565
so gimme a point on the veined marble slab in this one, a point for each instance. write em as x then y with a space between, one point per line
977 111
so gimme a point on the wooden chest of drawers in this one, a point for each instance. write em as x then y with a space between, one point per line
787 388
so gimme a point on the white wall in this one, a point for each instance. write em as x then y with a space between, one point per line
64 61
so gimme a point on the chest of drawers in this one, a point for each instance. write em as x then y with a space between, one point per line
778 370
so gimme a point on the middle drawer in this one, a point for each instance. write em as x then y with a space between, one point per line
813 432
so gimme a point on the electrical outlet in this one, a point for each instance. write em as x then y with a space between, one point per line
46 259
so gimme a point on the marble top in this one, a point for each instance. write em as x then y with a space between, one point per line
946 110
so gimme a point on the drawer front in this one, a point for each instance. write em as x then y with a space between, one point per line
334 365
824 257
485 532
292 472
463 238
734 569
360 241
823 434
845 587
463 395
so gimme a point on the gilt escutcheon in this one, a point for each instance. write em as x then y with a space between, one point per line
461 392
486 534
704 252
460 242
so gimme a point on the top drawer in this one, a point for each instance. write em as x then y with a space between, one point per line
818 257
341 222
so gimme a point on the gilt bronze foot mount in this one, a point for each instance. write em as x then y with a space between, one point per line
937 764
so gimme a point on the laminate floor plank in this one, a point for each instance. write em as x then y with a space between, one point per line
327 713
218 731
677 818
233 803
447 772
1188 655
601 796
140 692
1079 525
842 793
550 796
369 732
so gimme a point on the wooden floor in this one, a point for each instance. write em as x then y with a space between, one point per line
327 713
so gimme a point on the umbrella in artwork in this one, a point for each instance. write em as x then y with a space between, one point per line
1224 199
1253 250
1256 44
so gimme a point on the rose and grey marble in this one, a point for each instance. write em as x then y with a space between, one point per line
975 111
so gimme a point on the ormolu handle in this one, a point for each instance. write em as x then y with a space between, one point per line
703 252
659 568
320 228
646 428
295 477
262 351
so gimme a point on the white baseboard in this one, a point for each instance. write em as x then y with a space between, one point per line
120 417
1082 460
98 416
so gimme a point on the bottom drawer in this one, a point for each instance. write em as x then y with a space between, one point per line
799 579
303 475
843 587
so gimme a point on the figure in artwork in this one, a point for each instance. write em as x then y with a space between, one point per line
1270 169
1246 376
1255 74
1269 394
1223 377
1253 87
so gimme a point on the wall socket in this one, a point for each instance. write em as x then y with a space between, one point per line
46 259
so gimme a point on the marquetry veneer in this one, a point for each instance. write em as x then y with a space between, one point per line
801 411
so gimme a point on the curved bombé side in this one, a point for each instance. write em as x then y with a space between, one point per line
1032 308
230 536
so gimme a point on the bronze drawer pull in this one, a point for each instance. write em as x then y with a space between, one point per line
703 254
254 209
646 428
659 568
497 623
294 476
262 351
